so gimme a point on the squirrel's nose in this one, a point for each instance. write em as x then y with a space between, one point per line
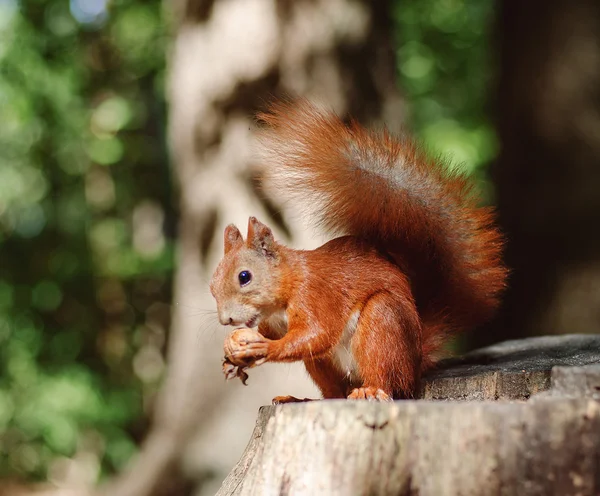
225 321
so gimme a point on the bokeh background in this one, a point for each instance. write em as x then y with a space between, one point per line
125 145
86 230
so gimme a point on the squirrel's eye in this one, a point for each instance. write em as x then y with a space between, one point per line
245 277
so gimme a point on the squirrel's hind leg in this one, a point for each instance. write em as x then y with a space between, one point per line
369 393
387 347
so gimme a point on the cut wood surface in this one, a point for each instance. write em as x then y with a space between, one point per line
548 445
512 370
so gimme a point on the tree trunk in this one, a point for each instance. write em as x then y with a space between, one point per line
548 172
548 445
229 58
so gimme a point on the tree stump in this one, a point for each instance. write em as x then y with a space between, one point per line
521 417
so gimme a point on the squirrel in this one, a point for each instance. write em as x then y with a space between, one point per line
417 260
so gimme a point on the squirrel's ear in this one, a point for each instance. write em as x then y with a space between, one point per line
233 238
260 237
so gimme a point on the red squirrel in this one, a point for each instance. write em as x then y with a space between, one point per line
367 312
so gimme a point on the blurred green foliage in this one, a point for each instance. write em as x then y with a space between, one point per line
85 223
86 220
445 67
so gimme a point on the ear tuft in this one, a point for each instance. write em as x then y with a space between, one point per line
233 238
260 237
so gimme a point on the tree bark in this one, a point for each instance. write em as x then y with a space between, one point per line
512 370
548 445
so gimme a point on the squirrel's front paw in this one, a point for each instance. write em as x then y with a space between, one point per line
246 348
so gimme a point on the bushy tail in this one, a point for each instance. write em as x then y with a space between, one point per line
372 185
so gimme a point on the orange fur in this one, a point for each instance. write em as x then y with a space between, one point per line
417 258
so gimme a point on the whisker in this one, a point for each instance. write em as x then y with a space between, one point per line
195 311
209 324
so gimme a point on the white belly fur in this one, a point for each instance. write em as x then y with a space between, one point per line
342 352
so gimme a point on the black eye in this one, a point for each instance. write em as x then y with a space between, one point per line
245 277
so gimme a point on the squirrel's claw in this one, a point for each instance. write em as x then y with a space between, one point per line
369 393
232 371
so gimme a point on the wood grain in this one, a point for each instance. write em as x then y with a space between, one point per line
548 445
